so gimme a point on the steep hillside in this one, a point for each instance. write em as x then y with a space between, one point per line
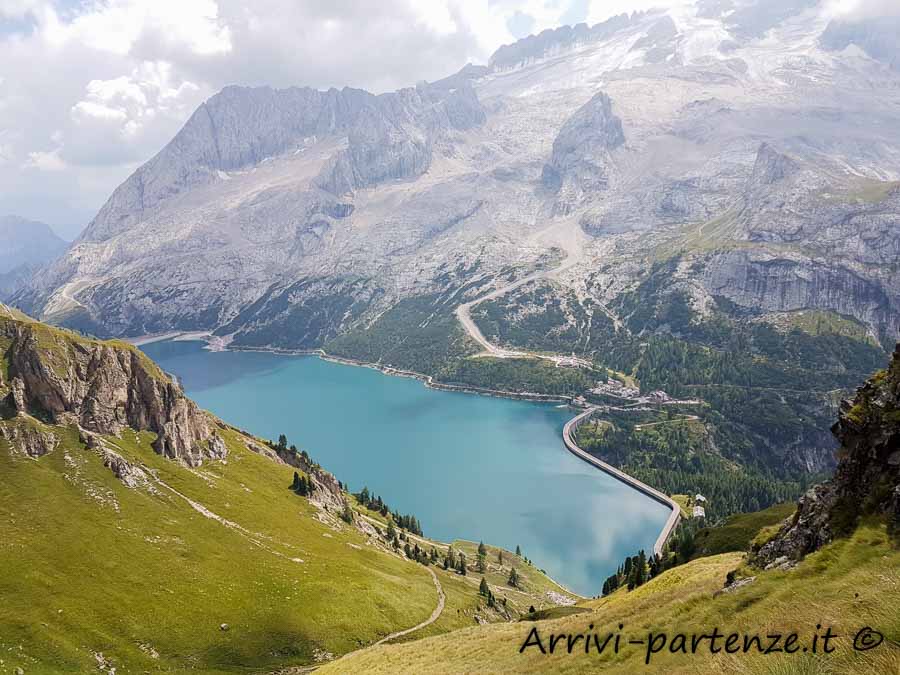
832 567
139 533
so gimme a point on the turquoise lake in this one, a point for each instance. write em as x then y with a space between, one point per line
468 466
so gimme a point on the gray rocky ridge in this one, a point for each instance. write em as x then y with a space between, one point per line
27 245
735 132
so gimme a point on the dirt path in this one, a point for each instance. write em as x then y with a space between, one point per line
430 620
566 239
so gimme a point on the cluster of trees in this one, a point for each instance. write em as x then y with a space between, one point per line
377 504
681 457
485 590
519 375
418 553
638 569
291 451
303 485
431 336
454 560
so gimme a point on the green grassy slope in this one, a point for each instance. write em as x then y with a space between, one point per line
848 585
220 568
91 566
740 530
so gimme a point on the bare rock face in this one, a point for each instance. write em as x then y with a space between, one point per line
867 479
579 163
18 395
132 476
30 439
104 388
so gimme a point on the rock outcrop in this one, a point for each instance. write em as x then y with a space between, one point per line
29 438
867 478
103 388
579 164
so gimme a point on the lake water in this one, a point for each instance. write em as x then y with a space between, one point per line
467 466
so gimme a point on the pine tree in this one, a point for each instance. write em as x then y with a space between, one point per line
513 578
500 557
461 564
482 550
391 530
482 564
518 551
295 486
483 587
640 574
347 514
282 442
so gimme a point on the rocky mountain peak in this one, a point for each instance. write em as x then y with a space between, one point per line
554 40
771 166
579 162
867 478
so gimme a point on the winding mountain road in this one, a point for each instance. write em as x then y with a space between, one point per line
568 238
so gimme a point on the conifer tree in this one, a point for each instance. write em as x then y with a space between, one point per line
513 578
483 587
347 514
482 550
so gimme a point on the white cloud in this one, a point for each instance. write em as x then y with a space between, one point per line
861 9
116 26
105 84
45 161
18 8
129 101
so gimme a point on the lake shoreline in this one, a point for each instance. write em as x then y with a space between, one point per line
556 570
427 380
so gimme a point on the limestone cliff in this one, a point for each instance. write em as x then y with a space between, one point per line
101 387
867 478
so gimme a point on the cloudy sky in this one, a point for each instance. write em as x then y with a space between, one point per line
90 89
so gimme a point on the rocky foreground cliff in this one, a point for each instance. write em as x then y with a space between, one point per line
866 481
65 379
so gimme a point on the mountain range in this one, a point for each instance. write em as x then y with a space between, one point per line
706 198
760 143
27 245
